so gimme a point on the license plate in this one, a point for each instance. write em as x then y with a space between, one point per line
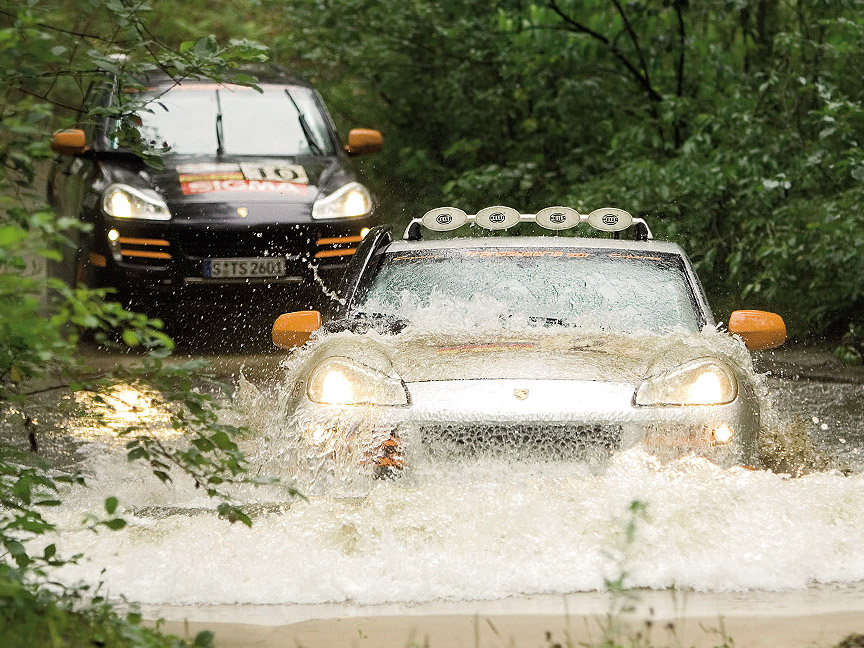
234 268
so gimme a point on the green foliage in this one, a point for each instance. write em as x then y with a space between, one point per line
54 59
35 617
851 348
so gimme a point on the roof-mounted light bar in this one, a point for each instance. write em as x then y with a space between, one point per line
606 219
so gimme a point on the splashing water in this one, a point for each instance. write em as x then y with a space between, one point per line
475 528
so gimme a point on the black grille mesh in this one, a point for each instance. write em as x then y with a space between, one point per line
548 440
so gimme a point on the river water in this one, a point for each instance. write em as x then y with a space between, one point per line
478 529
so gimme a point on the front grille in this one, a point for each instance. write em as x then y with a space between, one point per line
547 440
214 244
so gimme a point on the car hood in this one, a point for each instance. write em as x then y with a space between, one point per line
251 190
421 357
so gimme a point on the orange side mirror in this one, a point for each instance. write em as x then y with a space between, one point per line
364 140
294 329
69 142
758 329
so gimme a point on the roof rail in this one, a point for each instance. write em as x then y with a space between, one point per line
606 219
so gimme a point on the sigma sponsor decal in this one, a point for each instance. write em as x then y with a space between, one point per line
248 177
246 186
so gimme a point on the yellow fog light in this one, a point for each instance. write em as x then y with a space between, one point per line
113 235
364 232
722 434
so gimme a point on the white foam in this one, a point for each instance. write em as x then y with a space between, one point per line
482 530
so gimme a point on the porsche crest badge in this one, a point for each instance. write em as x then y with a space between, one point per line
520 394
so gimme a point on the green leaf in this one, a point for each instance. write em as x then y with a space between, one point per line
111 505
223 442
14 547
131 338
116 524
22 488
11 235
137 453
163 476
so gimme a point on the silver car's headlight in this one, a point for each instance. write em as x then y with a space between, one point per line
342 381
123 201
351 200
700 382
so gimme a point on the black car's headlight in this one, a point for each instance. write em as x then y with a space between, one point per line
342 381
700 382
123 201
353 199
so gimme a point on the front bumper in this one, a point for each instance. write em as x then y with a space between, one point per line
152 257
554 418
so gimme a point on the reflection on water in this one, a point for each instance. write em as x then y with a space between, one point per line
119 410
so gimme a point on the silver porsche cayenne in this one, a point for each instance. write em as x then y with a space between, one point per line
555 344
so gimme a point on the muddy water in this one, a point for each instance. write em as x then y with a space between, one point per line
479 529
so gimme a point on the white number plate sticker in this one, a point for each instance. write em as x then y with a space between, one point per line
233 268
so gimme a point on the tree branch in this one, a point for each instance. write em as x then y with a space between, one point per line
51 101
679 69
58 29
575 26
634 39
682 39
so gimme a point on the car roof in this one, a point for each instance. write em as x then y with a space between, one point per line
534 241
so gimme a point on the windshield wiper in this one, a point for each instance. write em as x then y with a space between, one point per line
304 126
220 135
361 321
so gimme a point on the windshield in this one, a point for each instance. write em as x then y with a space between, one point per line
253 123
609 290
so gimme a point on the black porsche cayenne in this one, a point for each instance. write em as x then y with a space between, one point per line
256 195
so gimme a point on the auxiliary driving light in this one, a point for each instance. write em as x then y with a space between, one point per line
722 434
